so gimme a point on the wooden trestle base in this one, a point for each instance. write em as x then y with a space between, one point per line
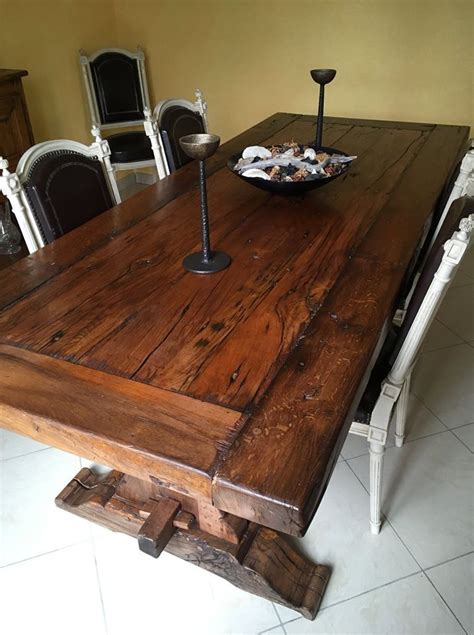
253 558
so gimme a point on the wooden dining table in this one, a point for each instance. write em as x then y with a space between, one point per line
221 402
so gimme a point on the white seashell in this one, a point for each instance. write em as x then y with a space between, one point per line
256 151
254 173
288 153
310 154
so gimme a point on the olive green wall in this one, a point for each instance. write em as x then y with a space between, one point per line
396 59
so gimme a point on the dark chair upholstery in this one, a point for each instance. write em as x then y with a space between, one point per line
176 122
127 147
116 82
396 336
66 189
428 231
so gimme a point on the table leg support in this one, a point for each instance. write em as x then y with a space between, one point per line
263 562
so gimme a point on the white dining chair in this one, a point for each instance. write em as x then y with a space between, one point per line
57 186
176 118
461 184
117 96
386 395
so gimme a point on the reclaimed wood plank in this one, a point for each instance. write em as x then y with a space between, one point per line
124 306
278 467
142 430
131 310
33 271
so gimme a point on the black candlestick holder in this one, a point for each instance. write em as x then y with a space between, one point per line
321 76
201 147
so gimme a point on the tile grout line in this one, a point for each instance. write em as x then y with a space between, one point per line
461 441
445 602
463 555
442 422
272 628
45 553
421 568
443 348
278 615
424 569
19 456
463 425
463 340
104 613
358 595
387 520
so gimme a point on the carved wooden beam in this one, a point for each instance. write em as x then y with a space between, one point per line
261 561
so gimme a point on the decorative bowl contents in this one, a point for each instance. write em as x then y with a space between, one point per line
290 167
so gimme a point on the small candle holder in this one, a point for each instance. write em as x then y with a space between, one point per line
321 76
201 147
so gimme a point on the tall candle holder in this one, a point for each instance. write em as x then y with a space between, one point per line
321 76
201 147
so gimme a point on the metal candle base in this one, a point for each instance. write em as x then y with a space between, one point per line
321 76
201 147
217 262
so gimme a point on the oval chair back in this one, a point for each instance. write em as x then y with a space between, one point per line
58 186
177 122
66 189
177 118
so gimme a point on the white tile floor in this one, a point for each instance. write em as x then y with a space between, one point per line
59 575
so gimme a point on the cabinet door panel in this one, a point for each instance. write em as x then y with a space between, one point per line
15 135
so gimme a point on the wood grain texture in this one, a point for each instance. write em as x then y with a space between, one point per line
156 531
302 422
33 271
284 336
141 429
130 309
263 562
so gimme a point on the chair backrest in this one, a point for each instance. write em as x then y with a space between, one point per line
440 267
58 186
116 87
177 118
461 183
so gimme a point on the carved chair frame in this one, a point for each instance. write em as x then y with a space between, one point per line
393 398
147 122
199 106
11 184
85 61
463 186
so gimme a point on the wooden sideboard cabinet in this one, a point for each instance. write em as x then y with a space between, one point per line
16 134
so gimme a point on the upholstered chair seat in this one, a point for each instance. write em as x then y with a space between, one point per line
127 147
117 96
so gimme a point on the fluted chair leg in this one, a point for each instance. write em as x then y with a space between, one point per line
401 413
376 451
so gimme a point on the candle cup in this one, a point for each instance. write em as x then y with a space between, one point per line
321 76
201 147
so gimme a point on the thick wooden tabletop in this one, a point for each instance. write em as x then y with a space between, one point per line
237 386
